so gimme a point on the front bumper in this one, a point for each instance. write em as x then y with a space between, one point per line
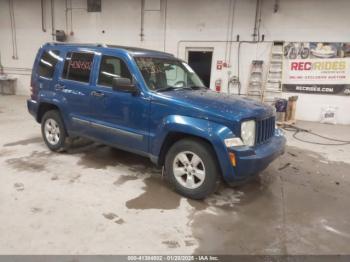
251 161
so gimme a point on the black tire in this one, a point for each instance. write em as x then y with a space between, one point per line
205 152
305 52
62 143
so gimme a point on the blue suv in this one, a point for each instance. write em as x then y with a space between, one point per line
152 104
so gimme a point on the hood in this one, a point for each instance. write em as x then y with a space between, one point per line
227 106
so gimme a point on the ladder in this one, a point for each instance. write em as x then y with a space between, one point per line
255 83
273 85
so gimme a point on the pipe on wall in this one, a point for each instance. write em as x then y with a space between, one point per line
17 70
142 20
276 6
13 30
257 21
69 19
165 23
231 31
25 71
66 14
21 74
52 19
212 41
228 27
43 18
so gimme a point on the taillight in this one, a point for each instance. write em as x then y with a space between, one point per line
33 94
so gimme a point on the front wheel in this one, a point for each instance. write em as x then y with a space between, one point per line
191 167
53 131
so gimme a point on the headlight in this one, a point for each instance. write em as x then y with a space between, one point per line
234 141
248 132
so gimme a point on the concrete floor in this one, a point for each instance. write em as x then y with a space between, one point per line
98 200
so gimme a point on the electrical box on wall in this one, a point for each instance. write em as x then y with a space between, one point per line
60 36
94 5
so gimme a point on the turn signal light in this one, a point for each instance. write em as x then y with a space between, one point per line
232 158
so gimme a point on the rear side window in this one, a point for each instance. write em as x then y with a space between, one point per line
47 63
77 66
110 68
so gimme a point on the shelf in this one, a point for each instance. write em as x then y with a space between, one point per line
276 70
277 53
276 61
273 91
255 83
274 80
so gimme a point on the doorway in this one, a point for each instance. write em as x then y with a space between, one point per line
200 61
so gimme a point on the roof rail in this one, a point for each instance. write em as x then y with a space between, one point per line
78 44
127 48
137 49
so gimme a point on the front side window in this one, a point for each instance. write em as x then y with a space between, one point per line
110 68
47 63
77 66
163 74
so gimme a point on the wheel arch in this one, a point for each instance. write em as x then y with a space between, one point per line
176 127
45 107
175 136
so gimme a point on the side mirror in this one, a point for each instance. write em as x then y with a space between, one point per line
124 85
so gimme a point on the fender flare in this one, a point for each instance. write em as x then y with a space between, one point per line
212 132
49 98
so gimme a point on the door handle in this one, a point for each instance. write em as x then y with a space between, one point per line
97 93
59 87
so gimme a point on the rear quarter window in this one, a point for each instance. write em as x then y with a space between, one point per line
47 63
77 66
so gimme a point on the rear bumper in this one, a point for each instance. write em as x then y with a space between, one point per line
32 106
251 161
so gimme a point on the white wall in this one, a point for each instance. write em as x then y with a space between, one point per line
186 23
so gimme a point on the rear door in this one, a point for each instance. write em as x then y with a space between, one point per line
74 85
119 118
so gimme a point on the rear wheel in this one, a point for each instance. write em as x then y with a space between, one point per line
53 131
191 167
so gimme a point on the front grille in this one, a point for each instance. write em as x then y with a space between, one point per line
265 129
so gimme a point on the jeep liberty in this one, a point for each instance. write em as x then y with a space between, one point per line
153 104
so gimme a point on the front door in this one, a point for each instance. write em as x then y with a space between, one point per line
118 118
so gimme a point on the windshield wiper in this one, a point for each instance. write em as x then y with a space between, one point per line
194 87
171 88
168 88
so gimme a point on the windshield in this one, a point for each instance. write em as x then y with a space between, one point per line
167 74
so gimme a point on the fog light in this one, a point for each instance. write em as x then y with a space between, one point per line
232 158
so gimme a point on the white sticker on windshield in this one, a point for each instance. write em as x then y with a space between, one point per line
189 69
